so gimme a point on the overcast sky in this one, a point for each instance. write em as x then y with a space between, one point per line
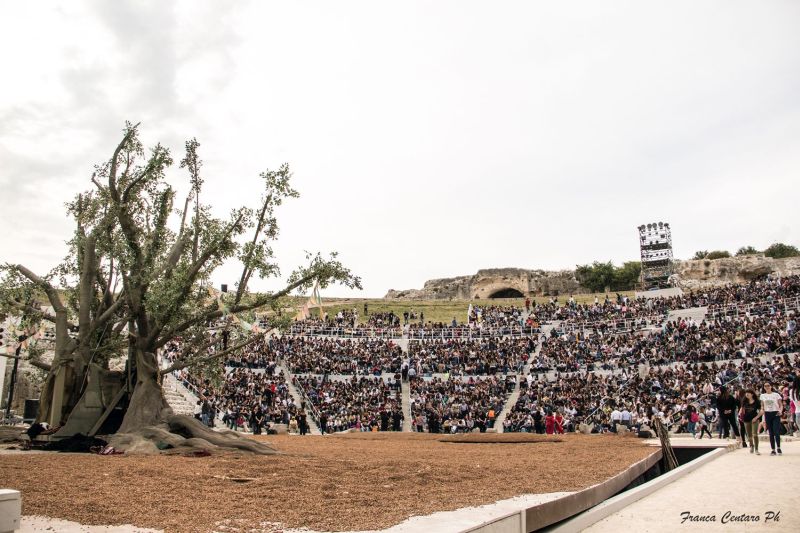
427 139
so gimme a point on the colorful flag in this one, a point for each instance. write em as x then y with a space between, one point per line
315 300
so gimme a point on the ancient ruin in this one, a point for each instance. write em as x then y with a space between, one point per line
519 282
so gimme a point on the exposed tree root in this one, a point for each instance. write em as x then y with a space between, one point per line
181 433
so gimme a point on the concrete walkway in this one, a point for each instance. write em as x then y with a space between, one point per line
514 396
313 428
406 403
738 483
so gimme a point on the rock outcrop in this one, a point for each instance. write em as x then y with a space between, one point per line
494 282
518 282
704 273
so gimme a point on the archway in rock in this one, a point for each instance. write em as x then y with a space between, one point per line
507 293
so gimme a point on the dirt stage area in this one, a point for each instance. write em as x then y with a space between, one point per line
354 481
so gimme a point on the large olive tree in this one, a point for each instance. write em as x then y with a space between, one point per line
136 277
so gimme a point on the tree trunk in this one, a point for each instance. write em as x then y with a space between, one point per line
149 424
147 404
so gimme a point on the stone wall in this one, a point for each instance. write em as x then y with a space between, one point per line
704 273
489 281
689 275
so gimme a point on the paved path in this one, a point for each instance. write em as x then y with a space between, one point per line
737 482
512 399
313 428
406 403
698 314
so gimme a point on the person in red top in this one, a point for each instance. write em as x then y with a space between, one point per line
549 423
559 420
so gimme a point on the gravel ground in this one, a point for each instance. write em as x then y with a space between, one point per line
354 481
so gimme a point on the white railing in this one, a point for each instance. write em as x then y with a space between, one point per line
755 308
465 332
612 325
346 332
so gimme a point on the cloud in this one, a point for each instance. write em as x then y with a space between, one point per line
429 139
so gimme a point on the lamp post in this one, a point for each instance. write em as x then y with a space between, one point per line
13 379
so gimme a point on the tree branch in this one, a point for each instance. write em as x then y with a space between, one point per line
212 314
180 365
32 310
50 291
33 362
247 270
112 174
86 291
190 278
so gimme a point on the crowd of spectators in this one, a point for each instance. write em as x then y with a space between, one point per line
496 355
681 340
669 392
317 355
454 405
361 403
603 313
596 368
246 399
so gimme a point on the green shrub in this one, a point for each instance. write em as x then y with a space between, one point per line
780 250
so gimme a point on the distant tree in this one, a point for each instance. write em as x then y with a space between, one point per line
700 254
598 276
780 250
718 254
746 250
627 276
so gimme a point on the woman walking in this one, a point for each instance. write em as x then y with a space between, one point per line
750 412
726 405
794 396
742 432
771 408
691 420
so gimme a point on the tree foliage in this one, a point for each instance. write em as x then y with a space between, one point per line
746 250
718 254
780 250
601 276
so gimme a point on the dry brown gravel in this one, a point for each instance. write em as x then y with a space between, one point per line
353 481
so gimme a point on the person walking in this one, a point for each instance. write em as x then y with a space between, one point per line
726 405
323 417
794 397
302 421
702 423
750 413
691 420
771 408
742 432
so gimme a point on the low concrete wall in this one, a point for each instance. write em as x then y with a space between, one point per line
612 505
546 514
513 523
10 510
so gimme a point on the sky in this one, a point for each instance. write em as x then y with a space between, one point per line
427 139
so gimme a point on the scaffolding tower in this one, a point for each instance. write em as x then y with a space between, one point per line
655 243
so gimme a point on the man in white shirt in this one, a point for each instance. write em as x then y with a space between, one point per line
625 416
616 418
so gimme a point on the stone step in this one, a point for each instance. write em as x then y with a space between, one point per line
406 403
298 399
